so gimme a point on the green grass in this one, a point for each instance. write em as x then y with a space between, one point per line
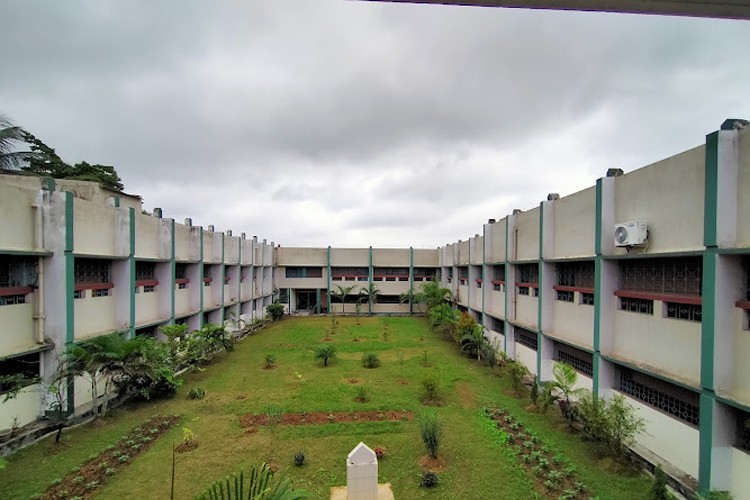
476 466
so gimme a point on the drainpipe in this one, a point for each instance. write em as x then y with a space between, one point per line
39 244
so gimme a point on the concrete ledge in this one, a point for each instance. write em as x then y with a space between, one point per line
384 492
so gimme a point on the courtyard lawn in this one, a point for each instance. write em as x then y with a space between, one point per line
476 465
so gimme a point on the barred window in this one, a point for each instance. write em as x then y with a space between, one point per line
390 273
284 295
425 273
498 325
182 286
527 338
643 306
450 272
742 441
180 271
389 299
92 271
690 312
565 296
339 273
149 289
145 271
746 272
581 361
79 294
16 272
10 300
206 271
580 274
679 402
463 273
682 275
303 272
587 299
27 366
498 273
101 292
528 273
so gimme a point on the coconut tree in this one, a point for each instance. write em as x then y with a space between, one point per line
370 295
341 292
9 135
473 341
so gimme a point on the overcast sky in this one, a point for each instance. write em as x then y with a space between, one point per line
346 123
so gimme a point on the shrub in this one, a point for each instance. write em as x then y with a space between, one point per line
658 489
361 396
275 310
196 393
431 430
517 373
429 479
325 353
535 391
274 414
269 361
258 483
299 458
431 391
612 423
370 360
379 452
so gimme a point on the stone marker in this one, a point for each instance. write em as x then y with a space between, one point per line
362 474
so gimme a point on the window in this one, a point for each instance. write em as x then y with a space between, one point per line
587 299
742 441
527 338
682 276
350 273
498 278
180 271
79 294
390 274
690 312
207 279
284 296
182 286
498 325
528 279
17 272
581 361
576 274
26 366
303 272
679 402
92 271
463 275
10 300
643 306
425 273
389 299
149 288
101 292
566 295
145 271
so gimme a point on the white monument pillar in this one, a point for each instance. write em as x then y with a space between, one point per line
362 474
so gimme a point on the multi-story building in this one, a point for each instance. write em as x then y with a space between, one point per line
657 310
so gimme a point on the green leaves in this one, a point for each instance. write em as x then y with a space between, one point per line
258 484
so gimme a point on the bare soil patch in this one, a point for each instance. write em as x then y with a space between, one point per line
354 381
317 418
432 464
466 395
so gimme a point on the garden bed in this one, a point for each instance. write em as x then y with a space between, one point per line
316 418
84 481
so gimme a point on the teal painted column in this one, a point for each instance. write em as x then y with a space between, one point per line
70 287
468 288
539 294
328 292
202 284
239 277
131 270
484 263
370 280
411 280
598 218
506 267
172 271
223 278
317 301
710 258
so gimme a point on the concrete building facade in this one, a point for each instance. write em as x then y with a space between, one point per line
663 319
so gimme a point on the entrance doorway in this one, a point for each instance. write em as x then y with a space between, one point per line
306 300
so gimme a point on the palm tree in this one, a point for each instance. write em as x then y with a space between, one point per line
341 293
473 341
408 298
564 383
433 295
258 484
370 294
9 134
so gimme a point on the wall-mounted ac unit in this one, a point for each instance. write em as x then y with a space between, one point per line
633 233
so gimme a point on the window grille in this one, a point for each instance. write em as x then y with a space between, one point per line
581 361
17 271
314 272
295 272
284 296
10 300
145 271
79 294
350 272
149 289
92 271
498 273
743 430
565 296
526 338
206 271
463 273
587 299
450 272
523 290
102 292
399 272
642 306
681 403
180 271
27 366
528 273
579 274
498 325
746 273
425 273
690 312
682 275
182 286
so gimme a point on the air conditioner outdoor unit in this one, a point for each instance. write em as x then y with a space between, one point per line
631 233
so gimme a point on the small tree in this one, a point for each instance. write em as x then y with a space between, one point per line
325 353
369 295
612 423
275 310
433 295
431 430
658 489
473 341
340 293
565 383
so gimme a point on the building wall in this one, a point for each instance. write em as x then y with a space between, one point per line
574 225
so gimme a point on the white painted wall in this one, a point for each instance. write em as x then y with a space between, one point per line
17 225
527 235
527 357
425 257
496 304
668 437
495 241
669 196
573 322
462 247
25 407
96 315
148 241
574 221
743 187
395 257
667 346
527 310
740 389
740 479
17 323
147 307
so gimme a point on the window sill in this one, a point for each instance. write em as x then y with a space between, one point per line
663 297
